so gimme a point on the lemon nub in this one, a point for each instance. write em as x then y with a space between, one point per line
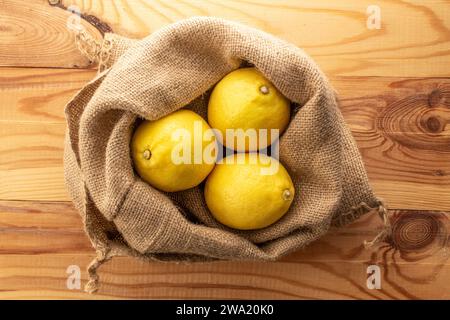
264 89
147 154
287 194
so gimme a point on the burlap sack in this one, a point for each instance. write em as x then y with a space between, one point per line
175 68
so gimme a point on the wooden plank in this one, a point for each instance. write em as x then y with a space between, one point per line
402 129
39 241
32 130
413 40
31 163
38 95
35 34
401 126
41 228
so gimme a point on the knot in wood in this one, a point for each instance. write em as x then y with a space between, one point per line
435 98
413 232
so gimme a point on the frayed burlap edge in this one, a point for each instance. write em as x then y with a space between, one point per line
96 51
361 209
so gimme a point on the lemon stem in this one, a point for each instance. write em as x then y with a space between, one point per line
287 194
264 89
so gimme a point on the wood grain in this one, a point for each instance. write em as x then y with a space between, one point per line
38 95
394 91
34 34
414 39
31 164
401 125
402 128
38 241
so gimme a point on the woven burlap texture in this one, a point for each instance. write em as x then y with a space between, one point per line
174 68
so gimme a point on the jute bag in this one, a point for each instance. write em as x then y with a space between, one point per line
176 67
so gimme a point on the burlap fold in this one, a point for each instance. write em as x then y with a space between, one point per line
176 67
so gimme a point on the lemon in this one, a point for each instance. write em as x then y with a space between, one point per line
245 192
245 99
169 153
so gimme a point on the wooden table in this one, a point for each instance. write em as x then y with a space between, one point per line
394 87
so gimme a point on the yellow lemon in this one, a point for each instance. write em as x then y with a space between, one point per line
249 191
244 99
174 153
